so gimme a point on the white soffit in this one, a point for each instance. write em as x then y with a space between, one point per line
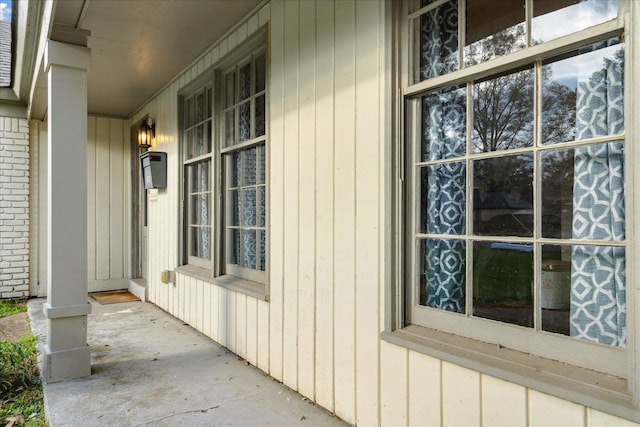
138 46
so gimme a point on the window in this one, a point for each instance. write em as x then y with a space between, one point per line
242 156
197 147
514 205
224 143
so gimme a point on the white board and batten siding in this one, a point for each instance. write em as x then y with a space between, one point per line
108 204
319 331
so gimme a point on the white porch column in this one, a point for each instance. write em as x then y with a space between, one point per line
67 354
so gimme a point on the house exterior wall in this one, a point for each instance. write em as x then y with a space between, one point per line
328 155
108 204
14 207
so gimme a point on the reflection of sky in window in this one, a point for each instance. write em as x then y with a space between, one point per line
568 71
571 19
5 10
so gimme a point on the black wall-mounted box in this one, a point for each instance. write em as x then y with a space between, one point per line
154 169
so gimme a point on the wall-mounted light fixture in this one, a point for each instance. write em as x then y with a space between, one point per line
146 133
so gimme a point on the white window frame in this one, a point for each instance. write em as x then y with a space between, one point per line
532 361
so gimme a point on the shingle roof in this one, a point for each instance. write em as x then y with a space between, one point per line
5 54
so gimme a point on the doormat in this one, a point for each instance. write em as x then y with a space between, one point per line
114 297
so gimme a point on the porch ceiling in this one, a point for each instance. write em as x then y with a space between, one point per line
138 46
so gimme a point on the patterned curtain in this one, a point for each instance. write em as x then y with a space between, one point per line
598 311
439 40
444 121
444 117
249 207
445 259
203 170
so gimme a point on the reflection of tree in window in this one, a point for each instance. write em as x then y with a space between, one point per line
559 106
503 112
490 34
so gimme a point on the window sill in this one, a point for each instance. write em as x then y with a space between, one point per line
236 284
602 392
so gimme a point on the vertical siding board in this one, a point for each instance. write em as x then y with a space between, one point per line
179 290
424 390
224 47
252 331
231 320
276 189
181 296
206 307
103 211
91 198
263 336
207 60
116 197
393 385
324 74
151 239
215 312
222 316
215 55
188 289
545 410
160 212
232 41
241 33
186 302
176 298
126 198
170 201
344 211
264 15
306 202
460 396
241 325
194 304
199 301
367 203
600 419
252 24
171 295
201 66
497 396
291 202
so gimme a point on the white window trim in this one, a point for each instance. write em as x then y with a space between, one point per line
608 393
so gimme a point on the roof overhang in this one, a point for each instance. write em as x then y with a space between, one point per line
137 46
32 27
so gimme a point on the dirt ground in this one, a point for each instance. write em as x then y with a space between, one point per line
13 327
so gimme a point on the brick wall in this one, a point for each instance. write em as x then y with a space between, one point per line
14 207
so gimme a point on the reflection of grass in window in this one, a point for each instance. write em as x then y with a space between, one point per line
502 285
502 275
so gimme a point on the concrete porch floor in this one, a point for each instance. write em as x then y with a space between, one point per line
149 368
